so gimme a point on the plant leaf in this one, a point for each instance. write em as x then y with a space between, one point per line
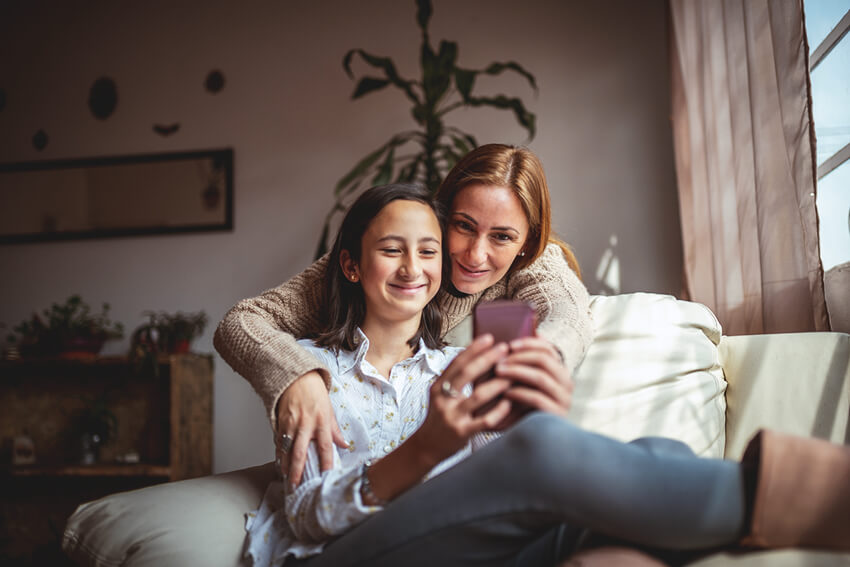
525 118
382 177
423 13
359 169
367 85
464 81
497 68
384 63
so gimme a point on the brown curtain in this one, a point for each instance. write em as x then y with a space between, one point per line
744 161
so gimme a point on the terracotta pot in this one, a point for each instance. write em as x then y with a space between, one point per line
82 347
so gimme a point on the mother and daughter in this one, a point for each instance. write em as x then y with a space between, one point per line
402 408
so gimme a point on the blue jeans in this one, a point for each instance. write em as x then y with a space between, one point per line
527 498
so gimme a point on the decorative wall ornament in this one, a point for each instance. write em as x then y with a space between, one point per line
103 98
166 129
39 140
215 82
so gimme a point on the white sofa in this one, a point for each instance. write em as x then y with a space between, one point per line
658 366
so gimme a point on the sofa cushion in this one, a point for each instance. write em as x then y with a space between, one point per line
653 370
191 522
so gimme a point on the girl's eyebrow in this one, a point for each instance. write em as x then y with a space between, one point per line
397 238
475 222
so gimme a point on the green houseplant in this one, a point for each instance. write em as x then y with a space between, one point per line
426 153
70 330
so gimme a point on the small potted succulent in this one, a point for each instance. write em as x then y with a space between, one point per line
67 330
94 425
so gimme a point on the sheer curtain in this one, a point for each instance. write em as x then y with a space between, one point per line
744 161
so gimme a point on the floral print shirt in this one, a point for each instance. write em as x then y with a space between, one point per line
376 415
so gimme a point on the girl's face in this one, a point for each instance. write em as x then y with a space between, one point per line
401 261
487 230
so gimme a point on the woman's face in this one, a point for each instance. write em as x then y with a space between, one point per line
401 261
487 230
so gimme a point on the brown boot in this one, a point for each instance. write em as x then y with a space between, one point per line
802 492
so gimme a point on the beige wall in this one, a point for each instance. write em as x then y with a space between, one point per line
603 126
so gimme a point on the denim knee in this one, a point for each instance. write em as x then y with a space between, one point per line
663 446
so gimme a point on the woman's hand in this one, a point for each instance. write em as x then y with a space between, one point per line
454 418
540 380
304 413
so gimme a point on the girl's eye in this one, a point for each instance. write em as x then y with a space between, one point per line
429 253
390 250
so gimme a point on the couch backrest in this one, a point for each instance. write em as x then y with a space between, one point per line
796 383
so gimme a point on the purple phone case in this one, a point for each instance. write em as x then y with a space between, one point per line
505 319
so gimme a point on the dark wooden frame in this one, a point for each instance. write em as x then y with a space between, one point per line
226 155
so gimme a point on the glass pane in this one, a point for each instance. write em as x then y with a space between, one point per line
834 212
830 96
821 17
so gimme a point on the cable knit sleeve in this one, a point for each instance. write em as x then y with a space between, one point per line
257 336
562 302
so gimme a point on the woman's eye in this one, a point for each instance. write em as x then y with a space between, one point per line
503 237
464 226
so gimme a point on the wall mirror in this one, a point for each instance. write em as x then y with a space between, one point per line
116 196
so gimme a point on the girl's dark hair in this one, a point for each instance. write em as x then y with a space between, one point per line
345 304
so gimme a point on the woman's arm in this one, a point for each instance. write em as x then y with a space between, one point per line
257 337
561 300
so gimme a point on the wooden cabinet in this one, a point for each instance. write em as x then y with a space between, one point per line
164 417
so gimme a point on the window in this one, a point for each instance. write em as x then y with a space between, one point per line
827 23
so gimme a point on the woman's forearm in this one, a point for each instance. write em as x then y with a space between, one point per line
257 337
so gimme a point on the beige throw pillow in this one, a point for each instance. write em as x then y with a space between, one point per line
653 370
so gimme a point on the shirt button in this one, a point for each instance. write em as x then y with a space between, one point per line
388 449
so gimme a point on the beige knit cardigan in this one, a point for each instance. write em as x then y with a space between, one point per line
257 335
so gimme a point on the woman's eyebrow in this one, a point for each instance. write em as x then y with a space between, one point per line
475 222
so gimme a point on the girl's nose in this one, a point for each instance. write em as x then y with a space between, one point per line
411 267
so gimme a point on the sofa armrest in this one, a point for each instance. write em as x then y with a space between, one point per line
797 383
190 522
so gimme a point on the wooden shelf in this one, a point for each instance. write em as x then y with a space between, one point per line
102 470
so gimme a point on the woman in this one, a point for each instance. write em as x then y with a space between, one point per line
523 499
499 245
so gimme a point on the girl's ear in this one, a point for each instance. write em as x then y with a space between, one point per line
349 266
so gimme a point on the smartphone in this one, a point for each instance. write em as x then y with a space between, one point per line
505 319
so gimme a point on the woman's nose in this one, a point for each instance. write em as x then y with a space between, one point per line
476 252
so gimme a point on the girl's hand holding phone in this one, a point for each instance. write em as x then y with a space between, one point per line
453 417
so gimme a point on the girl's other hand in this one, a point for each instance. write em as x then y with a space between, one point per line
305 413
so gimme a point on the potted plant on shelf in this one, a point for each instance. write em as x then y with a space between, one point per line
166 333
67 330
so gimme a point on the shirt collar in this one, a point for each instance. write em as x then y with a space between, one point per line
433 357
